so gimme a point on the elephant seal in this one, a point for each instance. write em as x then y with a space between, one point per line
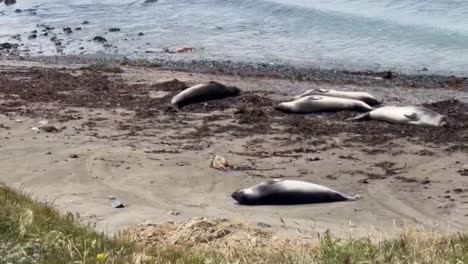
204 92
314 103
406 115
361 96
288 192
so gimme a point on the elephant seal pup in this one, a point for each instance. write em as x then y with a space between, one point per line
361 96
204 92
406 115
314 103
288 192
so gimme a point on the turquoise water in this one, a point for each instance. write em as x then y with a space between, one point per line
396 34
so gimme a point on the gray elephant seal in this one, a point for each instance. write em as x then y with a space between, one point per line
361 96
288 192
406 115
314 103
204 92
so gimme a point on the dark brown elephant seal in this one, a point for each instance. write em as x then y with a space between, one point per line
204 92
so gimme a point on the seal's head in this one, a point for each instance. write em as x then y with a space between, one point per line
443 121
243 196
234 90
284 107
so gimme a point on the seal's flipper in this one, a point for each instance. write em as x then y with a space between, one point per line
354 198
413 116
359 117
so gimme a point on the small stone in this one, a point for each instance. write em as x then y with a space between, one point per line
73 156
67 30
99 39
85 22
458 190
141 34
425 182
114 29
18 10
173 212
117 204
78 28
18 121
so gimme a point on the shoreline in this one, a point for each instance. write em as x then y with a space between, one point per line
340 75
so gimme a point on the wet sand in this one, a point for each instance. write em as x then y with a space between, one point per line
120 139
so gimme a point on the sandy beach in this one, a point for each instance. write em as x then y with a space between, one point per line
117 138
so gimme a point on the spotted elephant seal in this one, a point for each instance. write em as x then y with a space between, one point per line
406 115
204 92
288 192
314 103
361 96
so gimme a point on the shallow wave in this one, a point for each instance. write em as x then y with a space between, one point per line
444 14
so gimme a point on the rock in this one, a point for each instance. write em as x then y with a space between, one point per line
117 204
35 129
99 39
173 212
114 29
73 156
458 190
10 2
219 163
85 22
18 10
8 46
18 121
150 1
50 129
424 69
67 30
78 28
463 171
141 34
32 36
387 75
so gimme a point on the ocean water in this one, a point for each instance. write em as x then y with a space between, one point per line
359 34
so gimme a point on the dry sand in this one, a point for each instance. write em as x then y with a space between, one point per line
120 142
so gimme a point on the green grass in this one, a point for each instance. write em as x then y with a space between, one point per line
33 232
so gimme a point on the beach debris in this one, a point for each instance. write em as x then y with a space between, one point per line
173 212
50 129
99 39
219 163
463 171
117 204
179 50
43 122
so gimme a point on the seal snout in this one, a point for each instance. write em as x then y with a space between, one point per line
444 122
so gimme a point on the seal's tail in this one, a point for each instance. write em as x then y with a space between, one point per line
354 198
359 117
